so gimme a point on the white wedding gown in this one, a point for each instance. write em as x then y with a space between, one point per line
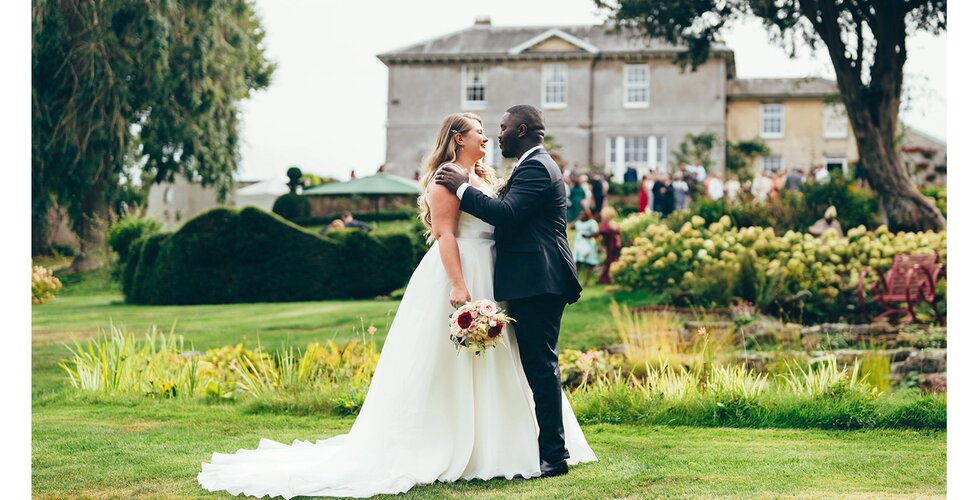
430 414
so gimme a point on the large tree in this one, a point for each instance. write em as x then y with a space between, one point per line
122 84
866 44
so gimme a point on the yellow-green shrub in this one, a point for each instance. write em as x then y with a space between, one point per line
795 274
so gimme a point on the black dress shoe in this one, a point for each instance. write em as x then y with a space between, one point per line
551 470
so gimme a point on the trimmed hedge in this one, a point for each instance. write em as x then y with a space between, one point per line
229 256
292 206
124 233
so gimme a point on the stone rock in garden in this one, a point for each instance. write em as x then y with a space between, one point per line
899 355
922 362
616 349
935 382
767 331
837 335
758 362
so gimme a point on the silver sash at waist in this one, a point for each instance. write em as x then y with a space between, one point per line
475 235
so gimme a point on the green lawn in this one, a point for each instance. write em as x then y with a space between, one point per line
151 448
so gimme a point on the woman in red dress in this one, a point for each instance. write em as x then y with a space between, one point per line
609 231
645 185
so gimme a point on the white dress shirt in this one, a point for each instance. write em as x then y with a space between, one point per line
462 188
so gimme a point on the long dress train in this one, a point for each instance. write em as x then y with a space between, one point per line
430 414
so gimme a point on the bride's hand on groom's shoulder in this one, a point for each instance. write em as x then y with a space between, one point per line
451 177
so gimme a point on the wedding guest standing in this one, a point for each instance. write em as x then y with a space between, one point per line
646 186
587 202
663 196
732 188
714 187
599 189
611 240
585 251
630 176
794 180
761 187
680 191
575 201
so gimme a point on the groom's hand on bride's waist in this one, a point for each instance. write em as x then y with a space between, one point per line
451 177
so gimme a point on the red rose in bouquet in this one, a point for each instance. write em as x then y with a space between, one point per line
495 330
464 320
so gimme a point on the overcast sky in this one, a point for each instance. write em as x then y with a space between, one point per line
325 110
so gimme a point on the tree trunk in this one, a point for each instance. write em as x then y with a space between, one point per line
40 234
873 107
92 229
907 208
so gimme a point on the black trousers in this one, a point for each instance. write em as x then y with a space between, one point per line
536 323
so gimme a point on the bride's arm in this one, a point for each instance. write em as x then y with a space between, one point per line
444 210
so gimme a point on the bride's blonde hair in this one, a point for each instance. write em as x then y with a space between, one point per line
445 152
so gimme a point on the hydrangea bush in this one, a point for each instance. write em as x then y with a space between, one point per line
794 275
43 285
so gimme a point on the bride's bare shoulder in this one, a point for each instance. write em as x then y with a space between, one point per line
438 194
453 165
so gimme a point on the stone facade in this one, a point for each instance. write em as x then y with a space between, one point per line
173 203
814 127
591 119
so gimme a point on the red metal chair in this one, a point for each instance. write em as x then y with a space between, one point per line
912 279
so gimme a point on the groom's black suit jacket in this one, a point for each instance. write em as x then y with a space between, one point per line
533 257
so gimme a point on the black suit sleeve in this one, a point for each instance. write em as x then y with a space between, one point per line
529 182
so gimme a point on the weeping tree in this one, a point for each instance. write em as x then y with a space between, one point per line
866 43
122 85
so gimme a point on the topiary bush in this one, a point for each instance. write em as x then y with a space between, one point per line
292 206
228 256
124 232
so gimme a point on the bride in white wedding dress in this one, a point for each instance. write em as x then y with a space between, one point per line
431 413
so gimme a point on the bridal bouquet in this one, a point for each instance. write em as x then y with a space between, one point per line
477 326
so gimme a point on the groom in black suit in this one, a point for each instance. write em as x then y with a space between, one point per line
534 269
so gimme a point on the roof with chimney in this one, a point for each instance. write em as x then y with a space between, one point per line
483 41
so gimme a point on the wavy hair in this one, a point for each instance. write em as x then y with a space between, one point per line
444 152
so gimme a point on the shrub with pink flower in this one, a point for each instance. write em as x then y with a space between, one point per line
477 326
